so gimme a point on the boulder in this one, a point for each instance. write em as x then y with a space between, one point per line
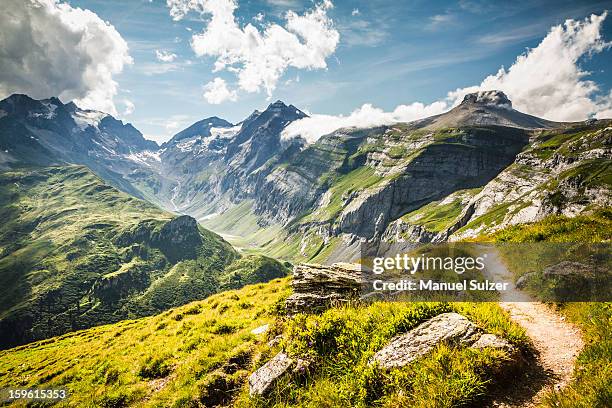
262 380
521 283
317 287
492 341
447 327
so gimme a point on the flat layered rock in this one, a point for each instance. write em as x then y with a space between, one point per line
262 380
447 327
317 287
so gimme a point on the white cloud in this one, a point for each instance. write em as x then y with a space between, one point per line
155 68
216 92
546 81
52 49
129 107
315 126
260 57
259 17
165 56
283 3
355 12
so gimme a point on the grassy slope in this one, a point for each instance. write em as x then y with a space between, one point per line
115 365
593 372
238 225
76 252
438 215
183 356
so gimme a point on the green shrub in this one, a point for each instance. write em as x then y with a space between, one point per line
155 367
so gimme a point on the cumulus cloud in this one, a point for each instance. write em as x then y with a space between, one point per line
546 81
315 126
216 92
165 56
260 57
52 49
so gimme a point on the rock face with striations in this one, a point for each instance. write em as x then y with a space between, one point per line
316 287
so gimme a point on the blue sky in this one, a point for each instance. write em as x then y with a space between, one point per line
389 53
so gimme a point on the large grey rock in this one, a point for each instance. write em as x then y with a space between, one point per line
262 380
446 327
317 287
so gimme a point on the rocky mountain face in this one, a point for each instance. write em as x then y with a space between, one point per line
203 128
483 109
215 169
480 166
440 178
44 132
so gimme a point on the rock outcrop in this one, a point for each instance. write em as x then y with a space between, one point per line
446 327
262 380
316 287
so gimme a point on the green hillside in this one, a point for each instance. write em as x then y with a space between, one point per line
75 253
201 354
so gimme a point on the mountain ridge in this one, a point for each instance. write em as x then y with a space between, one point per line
336 184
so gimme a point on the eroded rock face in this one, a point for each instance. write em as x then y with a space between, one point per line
490 98
262 380
446 327
316 287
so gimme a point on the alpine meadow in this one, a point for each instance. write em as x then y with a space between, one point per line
165 244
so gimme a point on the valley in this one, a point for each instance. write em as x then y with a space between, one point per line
169 263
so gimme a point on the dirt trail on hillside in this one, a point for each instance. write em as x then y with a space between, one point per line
556 341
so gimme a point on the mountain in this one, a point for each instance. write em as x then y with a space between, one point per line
481 166
427 180
485 108
76 252
212 171
44 132
202 128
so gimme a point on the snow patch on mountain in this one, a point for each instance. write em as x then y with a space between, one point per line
86 118
146 157
48 113
224 133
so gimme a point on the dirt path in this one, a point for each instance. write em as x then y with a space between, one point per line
556 342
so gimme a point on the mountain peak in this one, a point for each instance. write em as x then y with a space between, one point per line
200 128
277 103
54 100
493 98
280 108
